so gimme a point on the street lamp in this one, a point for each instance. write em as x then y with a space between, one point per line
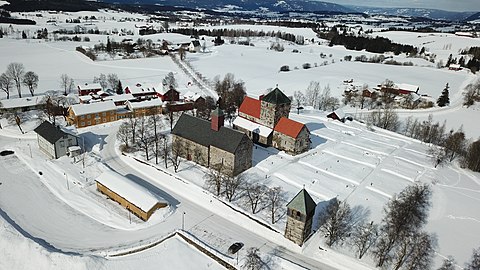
66 179
183 221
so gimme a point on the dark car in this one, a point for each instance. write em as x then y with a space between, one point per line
6 153
235 247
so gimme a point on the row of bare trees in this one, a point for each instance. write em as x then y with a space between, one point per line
252 193
15 76
316 97
147 134
397 242
231 93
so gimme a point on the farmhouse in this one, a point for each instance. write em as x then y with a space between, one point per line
338 114
266 122
16 105
145 108
88 89
53 141
300 212
84 115
142 91
135 198
211 144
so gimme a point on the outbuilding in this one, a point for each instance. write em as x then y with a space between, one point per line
53 141
132 196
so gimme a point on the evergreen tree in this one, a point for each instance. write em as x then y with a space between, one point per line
109 45
119 88
443 99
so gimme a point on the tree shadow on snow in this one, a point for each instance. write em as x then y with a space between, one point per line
153 189
91 139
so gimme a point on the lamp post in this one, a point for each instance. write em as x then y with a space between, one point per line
66 179
183 221
29 146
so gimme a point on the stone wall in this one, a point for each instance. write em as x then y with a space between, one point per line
219 156
243 157
297 230
255 138
271 113
191 150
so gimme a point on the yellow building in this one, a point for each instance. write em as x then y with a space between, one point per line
84 115
133 197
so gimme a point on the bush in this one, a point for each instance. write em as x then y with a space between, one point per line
306 66
285 68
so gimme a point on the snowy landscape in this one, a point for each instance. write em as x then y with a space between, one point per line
53 217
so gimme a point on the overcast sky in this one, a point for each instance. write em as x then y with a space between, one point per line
449 5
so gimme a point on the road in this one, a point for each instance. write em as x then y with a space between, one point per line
41 216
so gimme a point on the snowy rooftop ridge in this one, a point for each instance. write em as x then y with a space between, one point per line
129 190
89 86
252 126
22 102
156 102
409 87
83 109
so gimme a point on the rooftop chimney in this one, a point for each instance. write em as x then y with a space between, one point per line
217 119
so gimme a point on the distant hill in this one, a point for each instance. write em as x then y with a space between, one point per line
56 5
435 14
474 17
246 5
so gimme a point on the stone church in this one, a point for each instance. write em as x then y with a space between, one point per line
266 122
211 144
300 212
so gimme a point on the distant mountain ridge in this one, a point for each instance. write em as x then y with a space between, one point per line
246 5
435 14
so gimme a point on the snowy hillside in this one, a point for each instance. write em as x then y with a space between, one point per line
52 214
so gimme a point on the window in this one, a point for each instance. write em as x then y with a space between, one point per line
82 124
89 123
88 116
112 118
82 117
104 113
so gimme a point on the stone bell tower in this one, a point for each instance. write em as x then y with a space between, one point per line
300 212
274 106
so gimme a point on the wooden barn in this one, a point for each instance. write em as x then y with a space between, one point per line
133 197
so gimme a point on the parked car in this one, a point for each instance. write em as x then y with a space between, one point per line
235 247
6 153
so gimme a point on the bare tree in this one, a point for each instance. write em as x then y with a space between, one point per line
66 83
132 122
386 119
416 251
255 192
232 185
113 81
102 80
253 261
156 122
144 136
55 105
276 199
474 263
214 179
471 158
437 154
31 81
364 237
448 264
124 134
405 214
16 71
337 221
172 118
169 81
312 94
6 84
182 52
175 153
454 144
165 150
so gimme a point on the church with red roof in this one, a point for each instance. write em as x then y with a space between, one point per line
266 122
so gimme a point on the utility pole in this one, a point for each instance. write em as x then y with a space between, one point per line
183 221
83 159
66 178
29 146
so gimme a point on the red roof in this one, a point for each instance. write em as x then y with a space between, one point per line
289 127
251 107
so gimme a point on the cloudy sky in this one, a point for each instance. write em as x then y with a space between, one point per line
450 5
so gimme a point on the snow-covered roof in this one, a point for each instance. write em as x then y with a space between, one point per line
454 66
21 102
83 109
129 190
192 96
252 126
155 102
119 98
145 88
408 87
85 98
89 86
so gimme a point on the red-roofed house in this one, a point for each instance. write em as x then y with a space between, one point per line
291 136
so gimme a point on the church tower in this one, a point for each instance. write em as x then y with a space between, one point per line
218 118
300 212
274 106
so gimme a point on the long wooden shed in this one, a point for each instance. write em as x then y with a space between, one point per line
134 197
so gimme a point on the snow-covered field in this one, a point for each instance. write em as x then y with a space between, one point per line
58 218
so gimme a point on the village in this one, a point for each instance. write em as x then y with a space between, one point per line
180 140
